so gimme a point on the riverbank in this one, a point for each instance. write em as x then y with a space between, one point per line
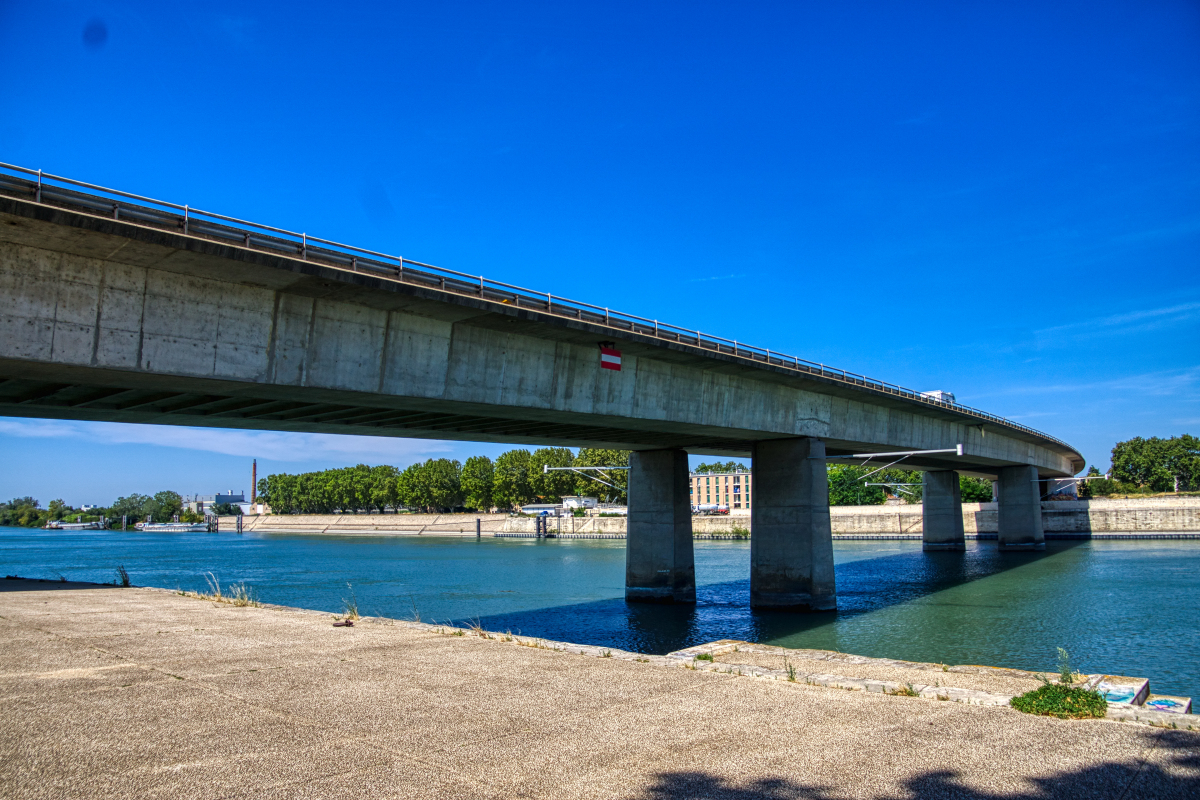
114 692
1152 517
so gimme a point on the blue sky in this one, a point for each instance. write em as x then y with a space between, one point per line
1000 200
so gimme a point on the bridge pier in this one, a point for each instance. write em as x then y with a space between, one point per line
1019 503
659 562
941 507
791 549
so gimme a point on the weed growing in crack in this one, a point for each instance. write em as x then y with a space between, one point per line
350 605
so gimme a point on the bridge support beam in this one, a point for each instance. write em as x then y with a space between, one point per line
1019 504
659 563
791 544
941 506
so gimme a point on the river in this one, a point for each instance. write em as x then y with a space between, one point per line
1129 608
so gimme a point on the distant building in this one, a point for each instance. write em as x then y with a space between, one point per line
203 503
86 507
574 501
732 489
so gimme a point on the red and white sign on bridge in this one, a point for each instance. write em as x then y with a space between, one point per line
610 359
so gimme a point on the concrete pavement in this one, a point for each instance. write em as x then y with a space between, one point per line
113 693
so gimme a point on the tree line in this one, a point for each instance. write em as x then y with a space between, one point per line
514 479
1148 466
27 512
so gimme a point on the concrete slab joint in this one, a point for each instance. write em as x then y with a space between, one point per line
1019 509
659 562
942 512
791 551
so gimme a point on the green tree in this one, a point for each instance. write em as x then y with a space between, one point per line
1182 462
550 487
588 484
848 485
974 490
165 506
510 487
382 490
58 509
22 512
1157 465
478 474
1141 462
134 506
720 467
444 478
412 488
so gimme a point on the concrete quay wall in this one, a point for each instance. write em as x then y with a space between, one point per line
1146 515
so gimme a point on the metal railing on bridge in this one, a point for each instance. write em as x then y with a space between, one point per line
57 191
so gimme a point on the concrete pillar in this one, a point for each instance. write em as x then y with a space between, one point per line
1020 509
659 565
941 506
791 542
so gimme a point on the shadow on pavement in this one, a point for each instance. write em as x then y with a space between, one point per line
18 584
1177 776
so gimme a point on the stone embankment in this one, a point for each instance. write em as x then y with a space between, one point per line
115 692
1130 518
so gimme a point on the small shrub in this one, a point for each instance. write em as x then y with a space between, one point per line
350 605
606 653
739 532
790 668
1065 676
704 657
214 588
242 595
1064 702
906 690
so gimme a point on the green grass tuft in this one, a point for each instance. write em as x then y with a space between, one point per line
1064 702
704 657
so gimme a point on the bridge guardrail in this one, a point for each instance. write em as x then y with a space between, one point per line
56 190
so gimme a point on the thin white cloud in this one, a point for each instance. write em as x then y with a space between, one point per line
717 278
1168 382
1126 323
275 445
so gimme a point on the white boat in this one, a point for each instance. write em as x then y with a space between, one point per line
174 527
59 525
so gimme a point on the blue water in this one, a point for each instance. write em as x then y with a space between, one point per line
1128 608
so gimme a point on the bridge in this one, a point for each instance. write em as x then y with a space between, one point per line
121 308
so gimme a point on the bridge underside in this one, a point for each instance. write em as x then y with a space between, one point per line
99 395
88 393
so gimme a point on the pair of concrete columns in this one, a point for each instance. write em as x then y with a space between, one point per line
1018 503
791 549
